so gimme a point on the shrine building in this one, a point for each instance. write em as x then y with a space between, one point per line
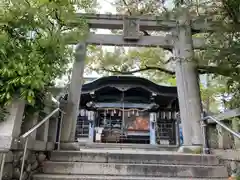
128 109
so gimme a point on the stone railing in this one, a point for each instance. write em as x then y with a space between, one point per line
226 146
40 141
219 138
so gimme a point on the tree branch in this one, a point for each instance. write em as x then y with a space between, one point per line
231 12
219 70
128 10
224 71
168 61
146 68
130 13
164 8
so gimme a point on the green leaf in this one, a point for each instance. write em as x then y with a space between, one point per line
33 52
30 99
8 96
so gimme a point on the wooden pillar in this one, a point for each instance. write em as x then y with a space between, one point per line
72 107
187 82
152 125
91 119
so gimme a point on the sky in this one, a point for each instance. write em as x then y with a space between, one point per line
105 6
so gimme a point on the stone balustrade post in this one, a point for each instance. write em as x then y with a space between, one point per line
10 128
235 126
224 138
52 131
42 131
29 122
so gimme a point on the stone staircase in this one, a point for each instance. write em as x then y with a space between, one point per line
102 164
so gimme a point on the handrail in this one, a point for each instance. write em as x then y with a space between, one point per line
55 101
29 132
2 163
236 134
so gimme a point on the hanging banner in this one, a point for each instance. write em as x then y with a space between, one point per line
137 123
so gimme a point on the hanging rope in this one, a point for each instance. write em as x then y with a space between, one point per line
123 110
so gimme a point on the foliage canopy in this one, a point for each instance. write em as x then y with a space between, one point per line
33 47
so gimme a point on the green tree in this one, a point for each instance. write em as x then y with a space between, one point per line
34 48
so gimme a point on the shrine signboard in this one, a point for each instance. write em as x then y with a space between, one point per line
131 28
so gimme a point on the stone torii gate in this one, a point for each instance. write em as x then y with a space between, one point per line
180 41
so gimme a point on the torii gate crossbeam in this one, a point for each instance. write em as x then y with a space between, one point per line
152 23
165 42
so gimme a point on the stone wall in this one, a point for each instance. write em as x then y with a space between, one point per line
219 138
230 158
33 164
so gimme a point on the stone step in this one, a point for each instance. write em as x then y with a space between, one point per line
89 177
86 145
134 157
148 170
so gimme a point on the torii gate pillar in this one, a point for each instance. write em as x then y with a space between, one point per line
187 83
68 127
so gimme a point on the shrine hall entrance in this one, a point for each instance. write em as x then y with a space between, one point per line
129 110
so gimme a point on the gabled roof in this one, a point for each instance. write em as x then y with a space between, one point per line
129 81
